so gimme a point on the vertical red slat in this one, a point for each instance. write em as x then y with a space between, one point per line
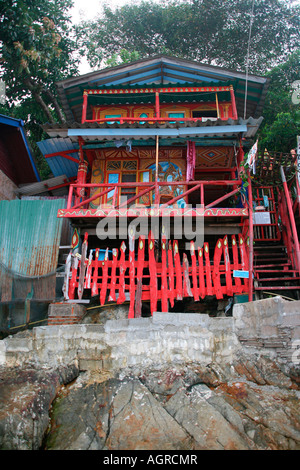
227 266
216 269
73 278
112 292
153 274
95 274
187 292
122 269
178 270
208 270
194 272
140 267
104 278
237 280
171 274
87 283
202 290
131 272
244 258
82 266
164 280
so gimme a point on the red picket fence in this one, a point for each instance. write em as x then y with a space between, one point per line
154 275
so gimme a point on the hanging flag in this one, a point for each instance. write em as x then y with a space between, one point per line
252 157
191 160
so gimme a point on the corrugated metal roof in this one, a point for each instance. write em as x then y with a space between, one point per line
116 131
163 69
59 165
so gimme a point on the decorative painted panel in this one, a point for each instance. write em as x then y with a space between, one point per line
214 157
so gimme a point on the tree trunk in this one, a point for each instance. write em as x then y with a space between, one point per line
36 93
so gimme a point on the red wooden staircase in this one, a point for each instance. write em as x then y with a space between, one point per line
276 265
274 270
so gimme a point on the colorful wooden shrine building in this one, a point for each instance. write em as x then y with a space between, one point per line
152 153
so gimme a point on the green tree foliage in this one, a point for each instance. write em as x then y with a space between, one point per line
36 51
281 123
211 31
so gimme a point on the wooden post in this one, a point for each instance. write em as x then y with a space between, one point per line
131 236
244 262
217 105
122 268
156 172
73 278
171 274
140 267
153 274
157 109
208 269
88 277
236 264
187 292
233 103
95 274
250 210
164 280
104 278
194 272
227 266
84 107
201 274
82 267
216 269
112 293
178 270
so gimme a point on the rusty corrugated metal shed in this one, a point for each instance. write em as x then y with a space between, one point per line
29 243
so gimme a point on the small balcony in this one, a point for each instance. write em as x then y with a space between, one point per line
158 198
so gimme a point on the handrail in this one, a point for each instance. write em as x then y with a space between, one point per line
150 186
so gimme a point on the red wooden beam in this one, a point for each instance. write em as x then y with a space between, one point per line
208 270
194 271
140 267
202 290
233 103
122 268
216 269
95 274
171 274
104 278
153 274
112 293
164 279
178 271
131 236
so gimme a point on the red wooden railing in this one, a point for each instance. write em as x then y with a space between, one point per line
76 202
138 277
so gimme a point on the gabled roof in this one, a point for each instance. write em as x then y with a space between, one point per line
16 159
163 69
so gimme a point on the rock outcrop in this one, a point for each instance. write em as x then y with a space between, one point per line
182 382
248 405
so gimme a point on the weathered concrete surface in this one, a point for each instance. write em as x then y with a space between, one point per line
165 338
173 381
272 326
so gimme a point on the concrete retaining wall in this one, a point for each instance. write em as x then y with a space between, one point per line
270 326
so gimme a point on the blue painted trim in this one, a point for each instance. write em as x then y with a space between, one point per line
160 132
